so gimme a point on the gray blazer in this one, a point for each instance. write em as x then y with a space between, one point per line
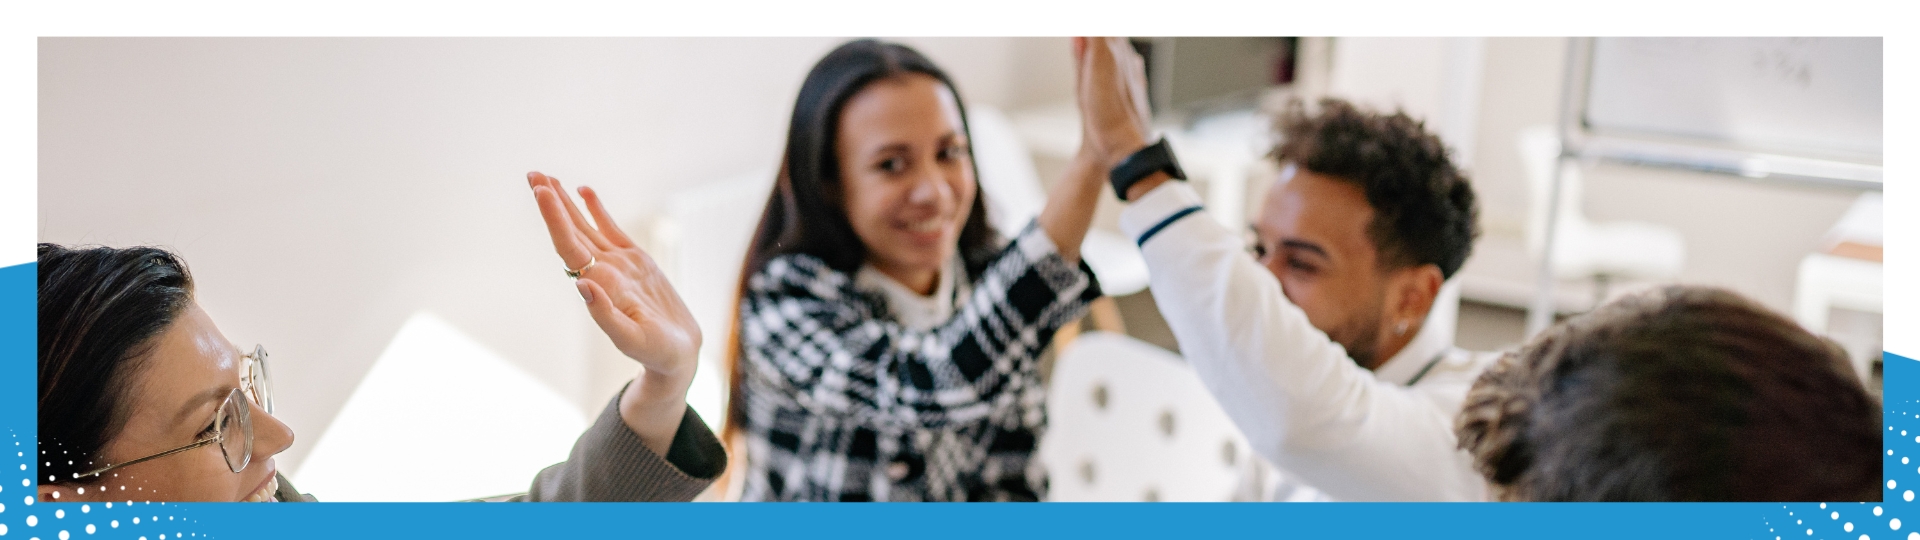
610 464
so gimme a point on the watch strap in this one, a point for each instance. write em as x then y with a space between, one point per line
1156 157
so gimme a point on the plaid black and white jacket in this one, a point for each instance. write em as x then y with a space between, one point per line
843 403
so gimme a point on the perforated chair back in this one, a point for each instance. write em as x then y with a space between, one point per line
1129 421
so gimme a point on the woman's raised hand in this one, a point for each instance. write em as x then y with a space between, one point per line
1110 85
626 294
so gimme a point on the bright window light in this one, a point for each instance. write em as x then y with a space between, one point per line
439 418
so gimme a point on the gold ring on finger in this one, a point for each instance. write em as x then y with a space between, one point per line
575 274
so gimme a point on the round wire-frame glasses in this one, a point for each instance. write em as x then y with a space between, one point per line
232 427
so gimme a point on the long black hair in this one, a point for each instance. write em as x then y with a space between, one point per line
100 309
807 212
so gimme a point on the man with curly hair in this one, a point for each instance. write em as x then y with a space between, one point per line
1318 347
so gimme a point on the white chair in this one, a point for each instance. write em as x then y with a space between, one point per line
1828 280
1129 421
1584 250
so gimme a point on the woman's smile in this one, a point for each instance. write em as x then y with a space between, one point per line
926 231
264 493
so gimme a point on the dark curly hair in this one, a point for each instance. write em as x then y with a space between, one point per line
1677 394
1424 210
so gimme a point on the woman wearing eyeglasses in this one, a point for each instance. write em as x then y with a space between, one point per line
142 398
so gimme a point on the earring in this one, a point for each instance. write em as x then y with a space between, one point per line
1400 329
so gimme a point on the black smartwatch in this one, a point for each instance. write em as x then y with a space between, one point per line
1156 157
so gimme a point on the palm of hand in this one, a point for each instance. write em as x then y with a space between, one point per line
659 331
627 295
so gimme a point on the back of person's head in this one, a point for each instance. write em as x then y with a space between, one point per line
99 312
1424 209
806 212
1675 394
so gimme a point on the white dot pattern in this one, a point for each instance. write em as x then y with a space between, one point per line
1851 520
69 520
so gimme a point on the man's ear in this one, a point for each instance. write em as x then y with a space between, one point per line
57 493
1414 290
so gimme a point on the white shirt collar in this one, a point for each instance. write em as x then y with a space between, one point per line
909 307
1415 358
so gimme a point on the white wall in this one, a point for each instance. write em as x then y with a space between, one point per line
324 190
1437 80
1740 234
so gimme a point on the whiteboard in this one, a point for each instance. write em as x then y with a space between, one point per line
1803 96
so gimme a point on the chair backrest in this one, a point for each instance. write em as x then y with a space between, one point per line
700 241
1129 421
1005 169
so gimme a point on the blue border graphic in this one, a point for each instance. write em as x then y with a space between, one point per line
21 517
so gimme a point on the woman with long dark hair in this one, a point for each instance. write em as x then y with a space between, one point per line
888 338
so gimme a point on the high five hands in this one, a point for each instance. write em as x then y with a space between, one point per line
1110 86
633 304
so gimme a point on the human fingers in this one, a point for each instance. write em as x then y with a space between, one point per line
1100 54
1079 47
1118 64
623 330
580 223
582 230
1109 108
566 241
608 227
1104 73
1136 79
537 179
1130 73
1086 88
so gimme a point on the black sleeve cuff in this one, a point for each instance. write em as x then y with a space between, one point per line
695 450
